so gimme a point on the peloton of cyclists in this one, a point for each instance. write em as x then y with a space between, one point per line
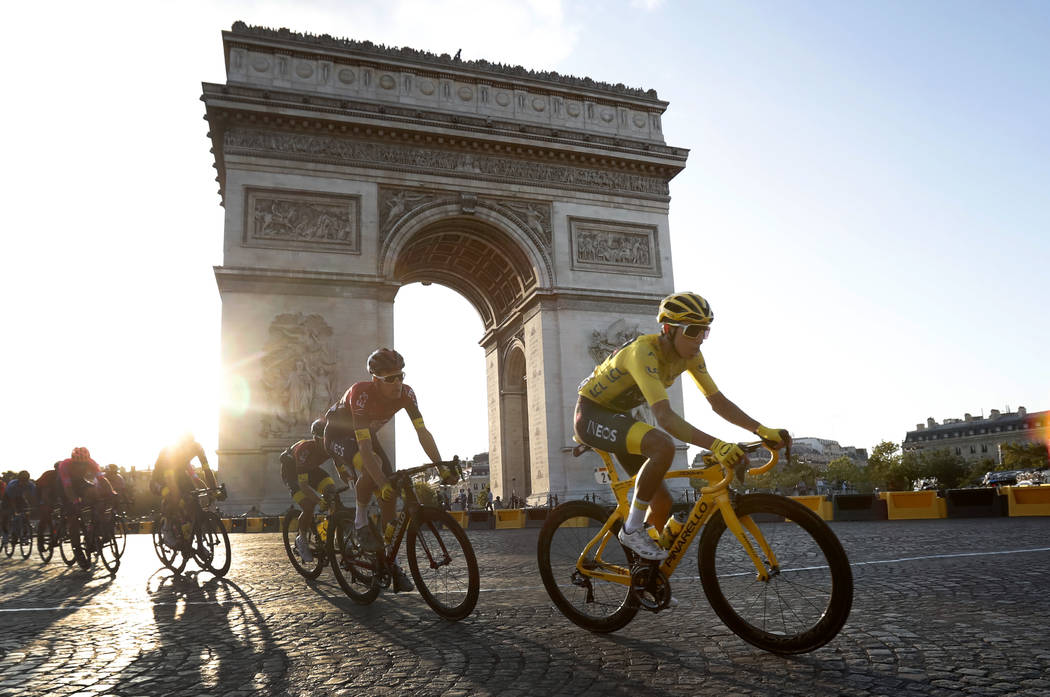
639 372
302 472
349 435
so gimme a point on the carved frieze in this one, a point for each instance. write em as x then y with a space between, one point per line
299 380
299 220
397 206
434 161
614 247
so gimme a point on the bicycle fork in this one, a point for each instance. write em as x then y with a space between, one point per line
737 525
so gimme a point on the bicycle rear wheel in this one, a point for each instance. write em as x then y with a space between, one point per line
354 568
10 541
808 596
443 563
309 570
592 603
169 556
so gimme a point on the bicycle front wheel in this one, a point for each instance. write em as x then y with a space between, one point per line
592 603
443 563
212 544
65 544
107 545
45 541
25 539
807 598
309 570
354 568
120 533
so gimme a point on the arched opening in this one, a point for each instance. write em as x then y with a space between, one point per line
514 403
446 368
486 265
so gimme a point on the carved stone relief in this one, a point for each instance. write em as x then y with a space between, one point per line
426 160
293 220
602 345
298 374
399 205
604 342
614 247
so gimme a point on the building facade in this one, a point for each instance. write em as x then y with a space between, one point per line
978 437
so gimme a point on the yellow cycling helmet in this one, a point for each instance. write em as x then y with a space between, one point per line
685 308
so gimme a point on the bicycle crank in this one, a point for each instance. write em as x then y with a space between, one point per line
649 587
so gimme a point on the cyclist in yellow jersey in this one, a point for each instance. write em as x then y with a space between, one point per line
637 373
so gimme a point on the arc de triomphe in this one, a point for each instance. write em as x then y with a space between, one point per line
348 169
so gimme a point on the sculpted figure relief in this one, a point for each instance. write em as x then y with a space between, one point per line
298 373
613 248
301 221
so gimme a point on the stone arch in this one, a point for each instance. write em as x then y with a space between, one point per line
343 184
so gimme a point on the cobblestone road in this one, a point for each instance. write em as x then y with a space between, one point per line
949 607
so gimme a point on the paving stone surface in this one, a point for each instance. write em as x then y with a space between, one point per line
944 607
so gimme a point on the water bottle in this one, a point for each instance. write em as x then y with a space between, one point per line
672 527
322 530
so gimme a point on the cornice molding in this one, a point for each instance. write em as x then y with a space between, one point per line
499 71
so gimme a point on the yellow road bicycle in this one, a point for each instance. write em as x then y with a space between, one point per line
772 569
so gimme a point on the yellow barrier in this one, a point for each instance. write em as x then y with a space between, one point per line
818 504
577 522
461 517
253 525
510 519
1027 500
146 526
914 505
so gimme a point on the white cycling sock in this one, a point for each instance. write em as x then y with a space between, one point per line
636 517
361 518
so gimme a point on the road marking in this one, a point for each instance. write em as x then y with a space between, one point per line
532 588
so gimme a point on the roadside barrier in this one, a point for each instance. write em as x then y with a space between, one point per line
914 505
480 520
858 507
510 519
974 503
888 505
534 517
1027 500
818 504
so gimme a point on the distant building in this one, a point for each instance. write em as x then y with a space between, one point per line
821 451
815 451
978 437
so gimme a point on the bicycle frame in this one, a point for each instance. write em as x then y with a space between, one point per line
713 498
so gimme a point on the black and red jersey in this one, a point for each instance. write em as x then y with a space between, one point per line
370 409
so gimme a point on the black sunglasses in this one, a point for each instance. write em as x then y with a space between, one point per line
396 377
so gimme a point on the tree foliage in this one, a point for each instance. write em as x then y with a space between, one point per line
1017 456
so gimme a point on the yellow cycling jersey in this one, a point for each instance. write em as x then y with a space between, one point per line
637 373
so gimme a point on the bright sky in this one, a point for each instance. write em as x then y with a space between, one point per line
865 206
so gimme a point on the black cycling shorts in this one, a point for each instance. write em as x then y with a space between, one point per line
606 429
